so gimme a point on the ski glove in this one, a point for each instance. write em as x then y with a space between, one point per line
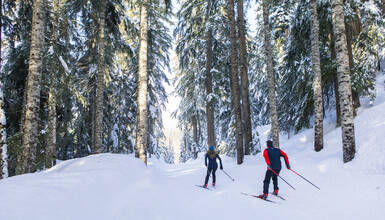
221 168
288 166
268 167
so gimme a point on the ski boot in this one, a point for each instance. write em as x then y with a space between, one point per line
213 184
205 186
263 196
275 192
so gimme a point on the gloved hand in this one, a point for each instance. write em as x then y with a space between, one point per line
269 167
221 168
288 166
206 164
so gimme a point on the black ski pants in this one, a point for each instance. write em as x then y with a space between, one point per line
270 175
209 170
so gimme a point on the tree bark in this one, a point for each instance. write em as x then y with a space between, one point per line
195 135
3 135
209 83
335 80
235 91
26 159
51 136
355 96
248 137
3 122
141 136
347 118
270 74
100 81
317 81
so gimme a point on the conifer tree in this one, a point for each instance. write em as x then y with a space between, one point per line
344 82
234 84
141 136
248 138
26 160
317 80
270 73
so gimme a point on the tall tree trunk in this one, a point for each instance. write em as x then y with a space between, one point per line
347 118
141 134
26 159
355 96
248 137
335 80
100 81
235 91
270 74
3 135
317 82
209 83
195 135
51 136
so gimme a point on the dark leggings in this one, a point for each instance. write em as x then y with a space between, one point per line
270 175
209 170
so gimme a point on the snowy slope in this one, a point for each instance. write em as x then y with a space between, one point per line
110 186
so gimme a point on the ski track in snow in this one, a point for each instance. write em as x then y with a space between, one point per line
112 186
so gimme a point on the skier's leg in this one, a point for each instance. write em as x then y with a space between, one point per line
207 175
266 182
214 178
275 179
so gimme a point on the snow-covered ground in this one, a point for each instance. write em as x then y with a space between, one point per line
110 186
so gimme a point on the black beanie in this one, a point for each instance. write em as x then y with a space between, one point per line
269 143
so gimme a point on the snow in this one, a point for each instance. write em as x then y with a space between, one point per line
64 64
112 186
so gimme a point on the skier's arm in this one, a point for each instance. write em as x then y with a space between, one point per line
220 161
206 157
286 159
266 156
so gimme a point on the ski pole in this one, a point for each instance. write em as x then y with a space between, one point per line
281 178
305 179
228 175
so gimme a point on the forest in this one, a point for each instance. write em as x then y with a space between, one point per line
84 77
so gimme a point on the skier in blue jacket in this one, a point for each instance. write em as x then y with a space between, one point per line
211 156
272 157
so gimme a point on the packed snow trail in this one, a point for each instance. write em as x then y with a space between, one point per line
121 187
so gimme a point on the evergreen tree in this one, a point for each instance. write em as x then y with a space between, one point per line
347 121
270 73
317 80
234 84
248 138
26 160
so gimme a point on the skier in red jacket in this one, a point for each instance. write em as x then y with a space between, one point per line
272 157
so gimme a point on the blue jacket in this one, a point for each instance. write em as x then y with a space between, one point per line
273 156
212 161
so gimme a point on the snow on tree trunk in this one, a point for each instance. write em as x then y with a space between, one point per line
270 74
347 120
3 122
51 136
3 137
248 137
26 159
100 81
235 91
141 136
317 81
209 84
